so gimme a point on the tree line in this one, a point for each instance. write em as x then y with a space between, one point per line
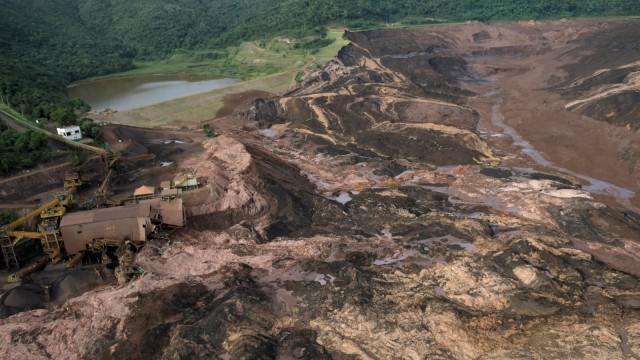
20 151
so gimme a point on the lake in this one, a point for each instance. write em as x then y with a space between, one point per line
126 93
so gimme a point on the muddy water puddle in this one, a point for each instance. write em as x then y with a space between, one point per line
426 252
270 133
343 197
622 195
296 273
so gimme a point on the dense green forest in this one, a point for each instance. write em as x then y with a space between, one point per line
21 150
45 45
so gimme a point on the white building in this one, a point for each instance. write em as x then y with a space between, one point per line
70 132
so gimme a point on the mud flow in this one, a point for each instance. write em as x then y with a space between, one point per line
462 192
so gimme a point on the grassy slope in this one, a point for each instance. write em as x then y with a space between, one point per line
256 60
329 52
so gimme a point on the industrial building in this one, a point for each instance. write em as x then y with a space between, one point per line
166 208
184 182
166 211
71 235
116 224
70 132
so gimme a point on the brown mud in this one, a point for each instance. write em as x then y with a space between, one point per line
233 102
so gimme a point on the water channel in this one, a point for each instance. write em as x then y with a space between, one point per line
126 93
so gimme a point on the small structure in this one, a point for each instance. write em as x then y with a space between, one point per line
144 192
165 185
113 225
70 132
166 208
171 208
185 182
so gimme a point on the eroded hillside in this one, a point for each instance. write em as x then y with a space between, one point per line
431 193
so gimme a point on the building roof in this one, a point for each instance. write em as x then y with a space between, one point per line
169 192
185 182
165 184
108 214
144 190
70 127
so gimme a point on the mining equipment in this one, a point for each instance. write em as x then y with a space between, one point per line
183 182
51 216
111 163
48 230
71 235
119 230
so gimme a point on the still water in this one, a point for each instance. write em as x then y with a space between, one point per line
132 92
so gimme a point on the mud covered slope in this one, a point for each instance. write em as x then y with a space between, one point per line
360 106
376 211
605 84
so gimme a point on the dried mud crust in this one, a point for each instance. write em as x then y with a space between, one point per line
372 213
399 270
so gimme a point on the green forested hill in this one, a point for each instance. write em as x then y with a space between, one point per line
46 44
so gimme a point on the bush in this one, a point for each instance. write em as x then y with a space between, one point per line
7 217
22 151
208 131
91 130
63 116
313 44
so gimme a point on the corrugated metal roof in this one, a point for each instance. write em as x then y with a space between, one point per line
168 192
144 190
98 215
189 182
69 128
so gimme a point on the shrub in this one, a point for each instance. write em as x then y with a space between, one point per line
208 131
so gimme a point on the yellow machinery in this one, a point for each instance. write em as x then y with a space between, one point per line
183 180
48 229
72 182
20 274
30 215
52 211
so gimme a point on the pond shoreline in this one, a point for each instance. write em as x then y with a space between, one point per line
131 92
